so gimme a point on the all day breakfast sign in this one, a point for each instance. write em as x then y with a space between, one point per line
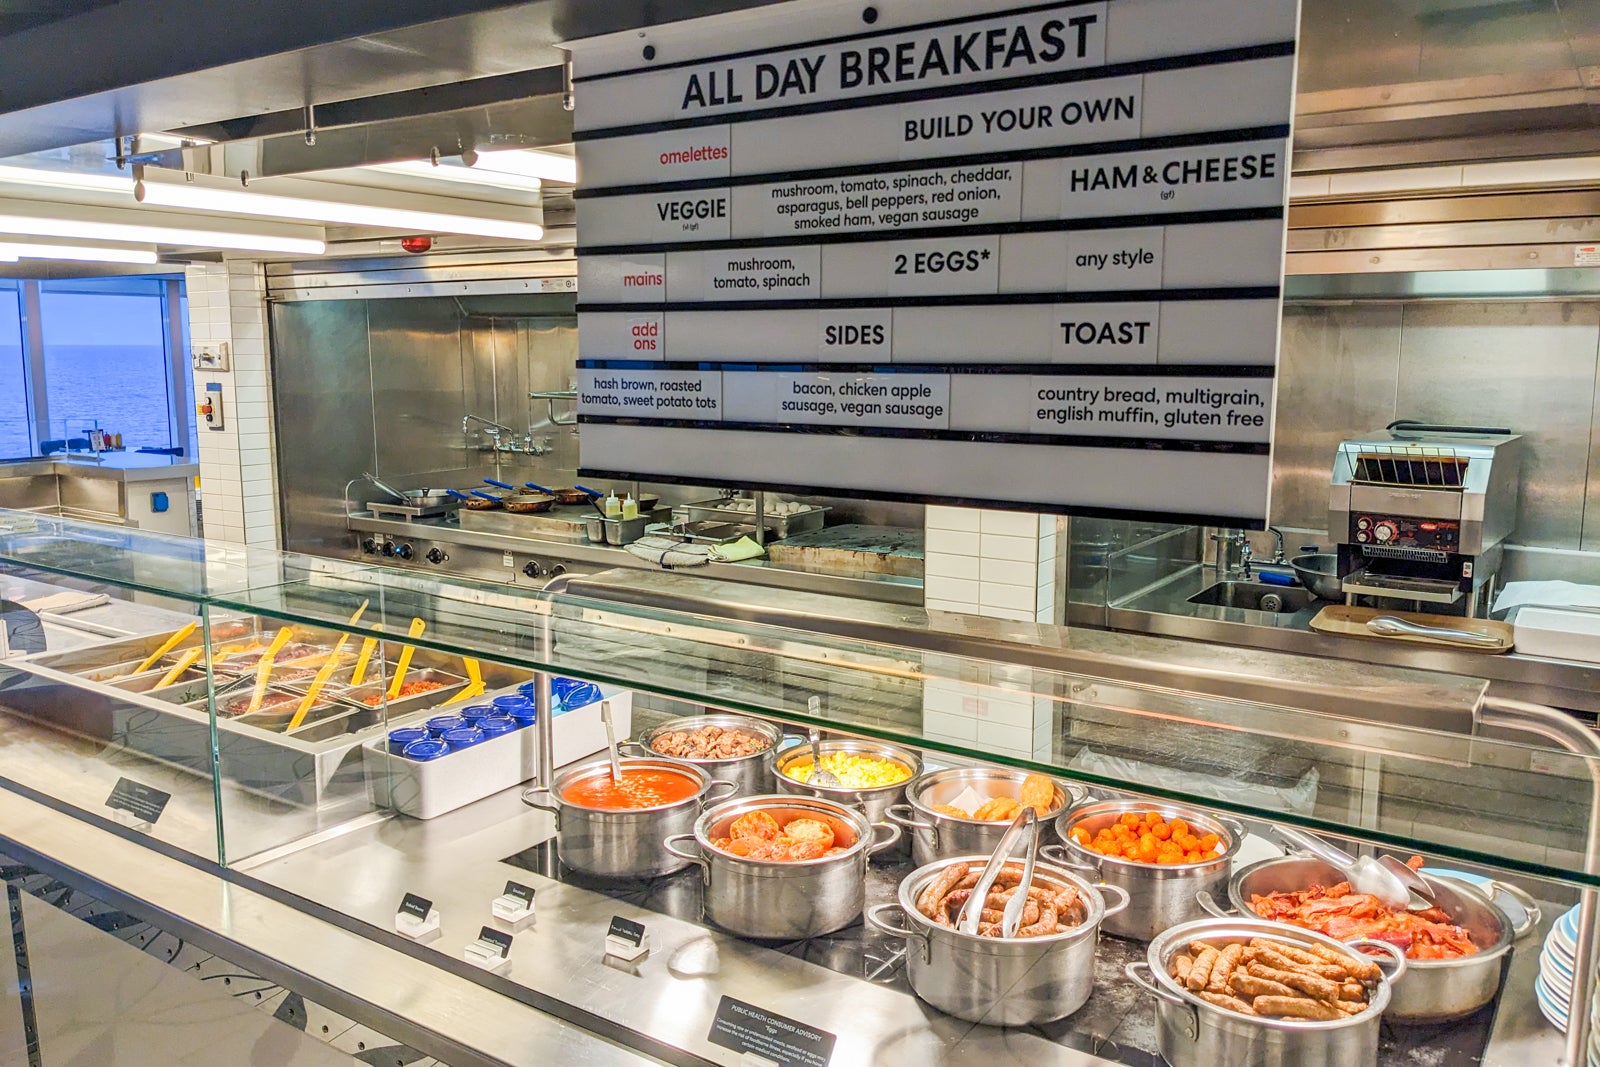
940 250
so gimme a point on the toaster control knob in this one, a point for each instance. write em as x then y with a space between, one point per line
1362 537
404 551
532 569
557 570
369 546
1384 532
436 556
1363 523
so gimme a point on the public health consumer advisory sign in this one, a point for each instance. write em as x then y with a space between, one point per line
940 250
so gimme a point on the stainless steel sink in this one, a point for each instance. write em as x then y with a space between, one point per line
1254 596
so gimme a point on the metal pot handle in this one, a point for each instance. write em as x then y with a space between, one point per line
549 805
904 815
892 840
1234 827
1125 898
671 845
1138 973
1396 957
1209 904
733 787
1058 855
1529 905
875 919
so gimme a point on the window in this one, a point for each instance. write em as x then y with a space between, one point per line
107 361
16 438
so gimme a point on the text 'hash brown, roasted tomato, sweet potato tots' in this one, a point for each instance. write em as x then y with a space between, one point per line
1149 838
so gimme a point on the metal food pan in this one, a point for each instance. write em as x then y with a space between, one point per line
147 682
450 684
327 718
781 525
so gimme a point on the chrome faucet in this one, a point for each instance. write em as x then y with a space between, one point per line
1278 558
492 428
1233 553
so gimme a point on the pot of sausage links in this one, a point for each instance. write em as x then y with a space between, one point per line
781 867
613 827
1454 949
1246 991
872 776
961 810
1045 972
733 748
1163 855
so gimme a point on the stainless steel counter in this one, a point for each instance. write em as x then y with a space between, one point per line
110 487
1164 610
503 557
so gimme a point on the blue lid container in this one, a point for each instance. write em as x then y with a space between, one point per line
529 689
504 705
463 737
495 725
525 716
402 736
423 751
440 723
473 712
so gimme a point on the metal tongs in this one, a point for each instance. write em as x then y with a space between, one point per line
1024 828
1376 877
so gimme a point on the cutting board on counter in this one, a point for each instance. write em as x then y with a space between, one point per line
1352 622
853 550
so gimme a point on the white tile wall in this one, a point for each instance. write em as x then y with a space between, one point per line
238 477
999 564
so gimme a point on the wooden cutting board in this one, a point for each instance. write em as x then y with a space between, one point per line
1352 622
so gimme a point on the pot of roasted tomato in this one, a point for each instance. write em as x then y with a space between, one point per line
613 827
783 868
959 810
872 776
1045 971
1244 991
1454 949
1162 854
734 748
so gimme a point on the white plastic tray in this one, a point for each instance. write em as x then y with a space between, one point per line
427 790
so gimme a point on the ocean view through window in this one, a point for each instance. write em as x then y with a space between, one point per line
105 360
16 438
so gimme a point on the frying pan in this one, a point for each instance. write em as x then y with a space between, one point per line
481 501
519 502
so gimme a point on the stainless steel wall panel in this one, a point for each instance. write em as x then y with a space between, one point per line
1527 366
418 385
322 394
1337 376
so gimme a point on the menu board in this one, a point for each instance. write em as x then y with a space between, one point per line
931 250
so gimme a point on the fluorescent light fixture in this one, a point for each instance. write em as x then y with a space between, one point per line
77 253
67 179
546 166
293 198
451 172
45 219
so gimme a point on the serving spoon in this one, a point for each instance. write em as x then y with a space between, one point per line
611 742
820 775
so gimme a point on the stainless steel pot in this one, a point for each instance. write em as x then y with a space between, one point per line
783 901
751 774
1434 990
991 980
622 844
1162 895
935 835
1191 1032
876 801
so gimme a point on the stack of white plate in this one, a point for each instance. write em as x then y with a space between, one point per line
1553 987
